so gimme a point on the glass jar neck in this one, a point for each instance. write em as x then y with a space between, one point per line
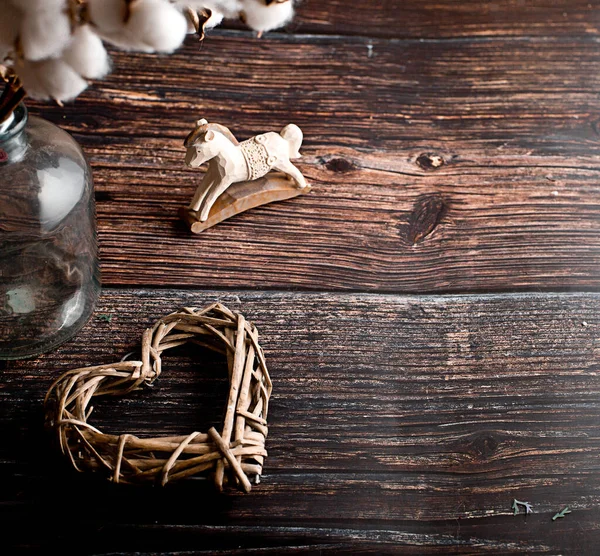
13 142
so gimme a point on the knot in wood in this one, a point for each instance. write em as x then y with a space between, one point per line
428 212
341 165
430 161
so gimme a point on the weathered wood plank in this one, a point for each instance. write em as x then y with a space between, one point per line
396 423
436 166
448 18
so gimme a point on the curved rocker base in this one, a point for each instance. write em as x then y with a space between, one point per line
244 196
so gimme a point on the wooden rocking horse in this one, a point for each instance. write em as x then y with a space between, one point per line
240 175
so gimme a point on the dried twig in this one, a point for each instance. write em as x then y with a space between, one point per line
515 506
13 92
561 514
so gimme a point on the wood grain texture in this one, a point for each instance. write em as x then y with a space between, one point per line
397 424
452 147
448 18
509 127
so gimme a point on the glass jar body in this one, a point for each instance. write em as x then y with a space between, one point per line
49 277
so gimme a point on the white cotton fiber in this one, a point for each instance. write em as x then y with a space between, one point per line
52 78
10 22
44 33
28 73
86 54
229 8
158 24
260 17
108 15
60 80
125 41
214 19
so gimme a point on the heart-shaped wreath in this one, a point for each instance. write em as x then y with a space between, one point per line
236 455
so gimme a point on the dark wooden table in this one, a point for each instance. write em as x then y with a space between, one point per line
429 312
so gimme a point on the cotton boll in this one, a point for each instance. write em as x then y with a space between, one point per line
125 41
28 74
60 80
86 54
214 19
229 8
152 25
158 24
52 78
44 34
260 17
108 15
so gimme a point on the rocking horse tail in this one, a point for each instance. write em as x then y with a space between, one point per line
293 135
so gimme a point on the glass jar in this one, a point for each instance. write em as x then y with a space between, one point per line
49 275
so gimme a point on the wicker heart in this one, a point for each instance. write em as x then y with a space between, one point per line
236 455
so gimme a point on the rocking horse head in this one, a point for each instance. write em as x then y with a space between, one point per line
204 143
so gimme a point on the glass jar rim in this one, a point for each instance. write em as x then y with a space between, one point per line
20 119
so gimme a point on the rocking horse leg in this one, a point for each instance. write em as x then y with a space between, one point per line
288 168
213 194
201 192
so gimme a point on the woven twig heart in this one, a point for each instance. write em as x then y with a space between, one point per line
236 455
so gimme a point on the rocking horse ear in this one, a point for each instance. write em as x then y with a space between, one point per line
201 122
210 135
